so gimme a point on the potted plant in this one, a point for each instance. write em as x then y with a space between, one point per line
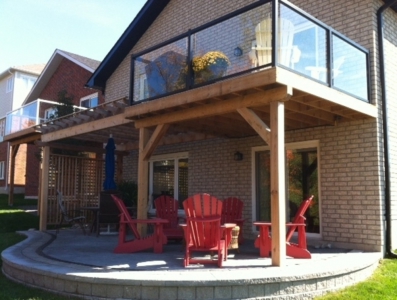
211 65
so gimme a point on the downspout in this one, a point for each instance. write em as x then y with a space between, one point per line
382 71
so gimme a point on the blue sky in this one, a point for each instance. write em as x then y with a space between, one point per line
31 30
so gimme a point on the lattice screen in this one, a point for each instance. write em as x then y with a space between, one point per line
79 179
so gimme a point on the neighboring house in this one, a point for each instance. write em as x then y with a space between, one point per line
15 84
65 72
216 109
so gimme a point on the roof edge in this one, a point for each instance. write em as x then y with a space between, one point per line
143 20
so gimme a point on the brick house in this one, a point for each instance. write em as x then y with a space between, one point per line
66 72
15 84
270 126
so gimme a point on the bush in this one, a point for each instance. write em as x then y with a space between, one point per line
129 192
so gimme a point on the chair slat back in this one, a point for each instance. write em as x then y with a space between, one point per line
199 210
167 208
125 215
202 205
62 206
232 209
299 216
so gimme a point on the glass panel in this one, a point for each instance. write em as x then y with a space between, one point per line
183 191
303 182
349 68
263 186
306 53
161 71
228 47
21 118
163 178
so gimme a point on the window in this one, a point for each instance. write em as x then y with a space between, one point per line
10 82
1 169
89 101
169 176
301 181
50 113
2 127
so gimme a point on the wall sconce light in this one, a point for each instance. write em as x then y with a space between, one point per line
238 156
238 51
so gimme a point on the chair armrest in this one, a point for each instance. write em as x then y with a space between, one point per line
147 221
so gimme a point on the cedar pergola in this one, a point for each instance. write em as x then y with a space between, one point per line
265 103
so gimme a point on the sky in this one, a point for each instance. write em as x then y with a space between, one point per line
31 30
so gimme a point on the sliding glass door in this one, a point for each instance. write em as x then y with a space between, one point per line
301 182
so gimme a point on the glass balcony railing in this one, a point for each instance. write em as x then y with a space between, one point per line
32 114
246 41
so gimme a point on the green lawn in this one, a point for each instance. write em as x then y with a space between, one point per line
11 220
382 285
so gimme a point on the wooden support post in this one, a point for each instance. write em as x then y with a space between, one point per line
143 179
14 152
277 183
44 188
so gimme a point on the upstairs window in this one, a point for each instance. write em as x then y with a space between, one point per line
1 169
89 101
10 82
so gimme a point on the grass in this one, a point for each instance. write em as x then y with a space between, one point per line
13 219
381 285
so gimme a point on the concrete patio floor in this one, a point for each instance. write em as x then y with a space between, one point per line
85 266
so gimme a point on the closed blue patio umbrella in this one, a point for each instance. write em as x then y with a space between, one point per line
109 183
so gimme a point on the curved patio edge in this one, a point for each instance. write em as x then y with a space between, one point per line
25 264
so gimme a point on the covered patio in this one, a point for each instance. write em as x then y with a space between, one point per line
266 103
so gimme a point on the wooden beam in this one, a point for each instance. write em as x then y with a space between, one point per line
85 128
154 140
26 139
217 108
256 123
277 183
43 200
212 91
312 87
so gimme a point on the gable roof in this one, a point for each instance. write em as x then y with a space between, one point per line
146 16
35 69
52 65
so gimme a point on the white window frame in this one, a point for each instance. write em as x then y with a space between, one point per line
171 156
288 146
10 84
2 164
89 97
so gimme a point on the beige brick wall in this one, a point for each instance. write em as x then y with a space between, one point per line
390 47
351 167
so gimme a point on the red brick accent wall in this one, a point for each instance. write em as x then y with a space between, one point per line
32 174
72 78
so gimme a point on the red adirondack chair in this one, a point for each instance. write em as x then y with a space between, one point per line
299 250
232 211
155 240
167 208
203 230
